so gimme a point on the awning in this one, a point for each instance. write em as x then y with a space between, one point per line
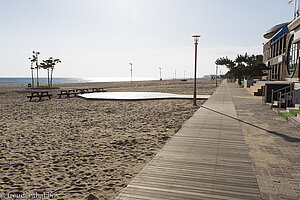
280 33
272 31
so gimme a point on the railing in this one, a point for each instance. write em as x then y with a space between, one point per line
278 94
289 98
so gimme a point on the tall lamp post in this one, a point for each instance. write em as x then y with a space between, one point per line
175 74
130 71
196 39
32 68
216 75
160 73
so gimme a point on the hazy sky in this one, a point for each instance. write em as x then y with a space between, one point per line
99 38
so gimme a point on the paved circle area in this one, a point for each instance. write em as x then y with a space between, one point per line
138 96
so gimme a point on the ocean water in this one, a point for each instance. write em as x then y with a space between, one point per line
44 80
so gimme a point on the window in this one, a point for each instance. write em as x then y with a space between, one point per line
292 57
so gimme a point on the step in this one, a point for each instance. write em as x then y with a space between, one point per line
290 108
294 112
258 92
285 115
256 88
276 104
294 120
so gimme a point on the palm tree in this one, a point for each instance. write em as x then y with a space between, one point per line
49 65
35 59
46 65
244 66
55 61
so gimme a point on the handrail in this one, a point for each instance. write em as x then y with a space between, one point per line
288 92
287 97
282 88
292 98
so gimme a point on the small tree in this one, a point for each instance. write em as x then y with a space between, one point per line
244 66
49 65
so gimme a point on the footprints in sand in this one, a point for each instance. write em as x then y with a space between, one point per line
81 149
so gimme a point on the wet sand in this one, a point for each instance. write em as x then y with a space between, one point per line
72 147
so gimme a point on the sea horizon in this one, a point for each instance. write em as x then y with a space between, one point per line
44 80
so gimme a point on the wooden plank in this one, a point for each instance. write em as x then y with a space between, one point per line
206 159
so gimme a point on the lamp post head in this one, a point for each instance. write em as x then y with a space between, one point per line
196 38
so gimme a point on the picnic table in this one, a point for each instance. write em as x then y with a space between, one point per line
39 95
82 90
74 92
98 90
68 93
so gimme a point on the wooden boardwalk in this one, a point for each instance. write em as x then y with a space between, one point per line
206 159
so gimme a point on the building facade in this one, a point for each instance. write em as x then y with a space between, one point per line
281 51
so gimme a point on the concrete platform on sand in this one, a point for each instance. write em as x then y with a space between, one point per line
133 96
206 159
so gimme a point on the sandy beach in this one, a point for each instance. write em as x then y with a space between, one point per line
72 147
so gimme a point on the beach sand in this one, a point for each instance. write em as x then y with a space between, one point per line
73 147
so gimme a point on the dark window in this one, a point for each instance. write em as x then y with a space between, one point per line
292 57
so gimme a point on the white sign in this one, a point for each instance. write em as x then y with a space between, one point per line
297 86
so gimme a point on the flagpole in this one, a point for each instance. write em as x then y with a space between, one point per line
295 9
298 9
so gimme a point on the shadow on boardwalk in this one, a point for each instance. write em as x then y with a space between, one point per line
285 137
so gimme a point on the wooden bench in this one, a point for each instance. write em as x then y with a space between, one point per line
68 93
39 95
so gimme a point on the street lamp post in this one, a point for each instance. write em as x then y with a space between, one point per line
216 75
160 73
196 39
175 74
130 71
31 67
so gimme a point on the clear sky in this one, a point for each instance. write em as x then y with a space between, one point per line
99 38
